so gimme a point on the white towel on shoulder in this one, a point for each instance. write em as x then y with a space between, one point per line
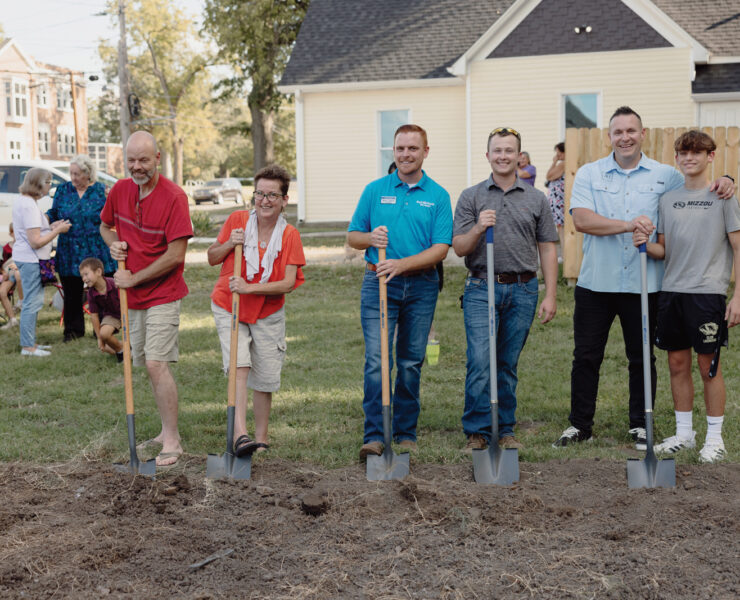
251 247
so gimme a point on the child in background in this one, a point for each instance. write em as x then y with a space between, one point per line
104 305
10 280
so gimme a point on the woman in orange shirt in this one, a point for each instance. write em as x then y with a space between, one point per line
271 268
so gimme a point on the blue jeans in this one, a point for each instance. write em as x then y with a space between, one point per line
411 303
516 304
33 300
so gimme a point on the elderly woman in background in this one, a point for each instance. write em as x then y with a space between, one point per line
79 201
33 236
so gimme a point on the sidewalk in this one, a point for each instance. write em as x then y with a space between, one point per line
315 255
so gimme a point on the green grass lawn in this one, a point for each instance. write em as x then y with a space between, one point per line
71 405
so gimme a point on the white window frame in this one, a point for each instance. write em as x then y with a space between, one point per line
42 95
15 144
382 163
17 104
64 97
99 155
44 139
65 141
599 107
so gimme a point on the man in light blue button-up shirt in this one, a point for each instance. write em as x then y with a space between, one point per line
611 198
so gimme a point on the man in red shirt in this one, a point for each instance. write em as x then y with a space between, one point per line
146 222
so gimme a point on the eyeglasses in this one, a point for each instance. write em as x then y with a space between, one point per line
271 196
505 131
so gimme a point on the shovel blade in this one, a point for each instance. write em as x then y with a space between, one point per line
387 466
223 466
148 468
495 465
651 473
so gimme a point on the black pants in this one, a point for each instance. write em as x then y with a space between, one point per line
592 320
74 318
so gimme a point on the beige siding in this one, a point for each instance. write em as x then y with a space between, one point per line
342 141
526 94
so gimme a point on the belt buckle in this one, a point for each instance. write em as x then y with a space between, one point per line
498 278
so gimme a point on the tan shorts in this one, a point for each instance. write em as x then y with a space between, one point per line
112 321
260 346
154 333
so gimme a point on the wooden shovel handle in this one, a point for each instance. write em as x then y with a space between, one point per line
233 346
128 385
384 370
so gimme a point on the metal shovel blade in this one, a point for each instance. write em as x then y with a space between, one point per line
651 472
495 465
135 466
387 466
222 466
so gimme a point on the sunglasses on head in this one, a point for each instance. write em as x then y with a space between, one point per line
505 131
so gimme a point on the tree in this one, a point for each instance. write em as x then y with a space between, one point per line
255 37
103 118
167 62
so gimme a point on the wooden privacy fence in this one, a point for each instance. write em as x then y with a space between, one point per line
587 145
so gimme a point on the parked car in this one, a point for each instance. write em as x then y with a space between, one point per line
12 173
217 190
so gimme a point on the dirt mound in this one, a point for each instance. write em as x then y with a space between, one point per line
568 529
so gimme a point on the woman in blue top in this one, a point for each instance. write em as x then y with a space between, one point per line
79 201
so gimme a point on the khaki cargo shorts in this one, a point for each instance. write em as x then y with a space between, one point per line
260 346
154 333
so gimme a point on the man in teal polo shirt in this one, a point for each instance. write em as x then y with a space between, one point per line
410 216
611 198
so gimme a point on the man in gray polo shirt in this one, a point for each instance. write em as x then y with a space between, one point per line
524 227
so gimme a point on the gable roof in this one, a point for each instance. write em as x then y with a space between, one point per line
550 29
10 43
715 24
353 41
384 40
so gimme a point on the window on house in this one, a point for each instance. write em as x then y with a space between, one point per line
16 99
9 98
97 152
44 138
42 94
65 141
64 97
581 110
15 149
388 122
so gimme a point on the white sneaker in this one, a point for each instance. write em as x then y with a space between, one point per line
36 352
673 444
713 451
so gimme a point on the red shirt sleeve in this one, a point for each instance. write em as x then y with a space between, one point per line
179 224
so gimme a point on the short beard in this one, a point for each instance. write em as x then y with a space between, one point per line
143 179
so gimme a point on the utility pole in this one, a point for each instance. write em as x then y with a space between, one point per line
78 144
123 75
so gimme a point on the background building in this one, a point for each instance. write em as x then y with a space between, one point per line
38 113
359 69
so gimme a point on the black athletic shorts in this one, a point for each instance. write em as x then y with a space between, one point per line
690 321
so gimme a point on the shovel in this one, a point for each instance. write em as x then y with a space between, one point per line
388 465
220 466
651 472
134 466
494 465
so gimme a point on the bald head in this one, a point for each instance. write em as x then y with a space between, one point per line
142 157
142 138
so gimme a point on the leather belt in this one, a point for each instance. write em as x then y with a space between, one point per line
372 267
506 277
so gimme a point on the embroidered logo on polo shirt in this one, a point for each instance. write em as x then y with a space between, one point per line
425 204
387 199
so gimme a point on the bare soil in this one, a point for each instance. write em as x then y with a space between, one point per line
568 529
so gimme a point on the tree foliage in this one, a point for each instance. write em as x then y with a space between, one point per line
255 37
167 71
